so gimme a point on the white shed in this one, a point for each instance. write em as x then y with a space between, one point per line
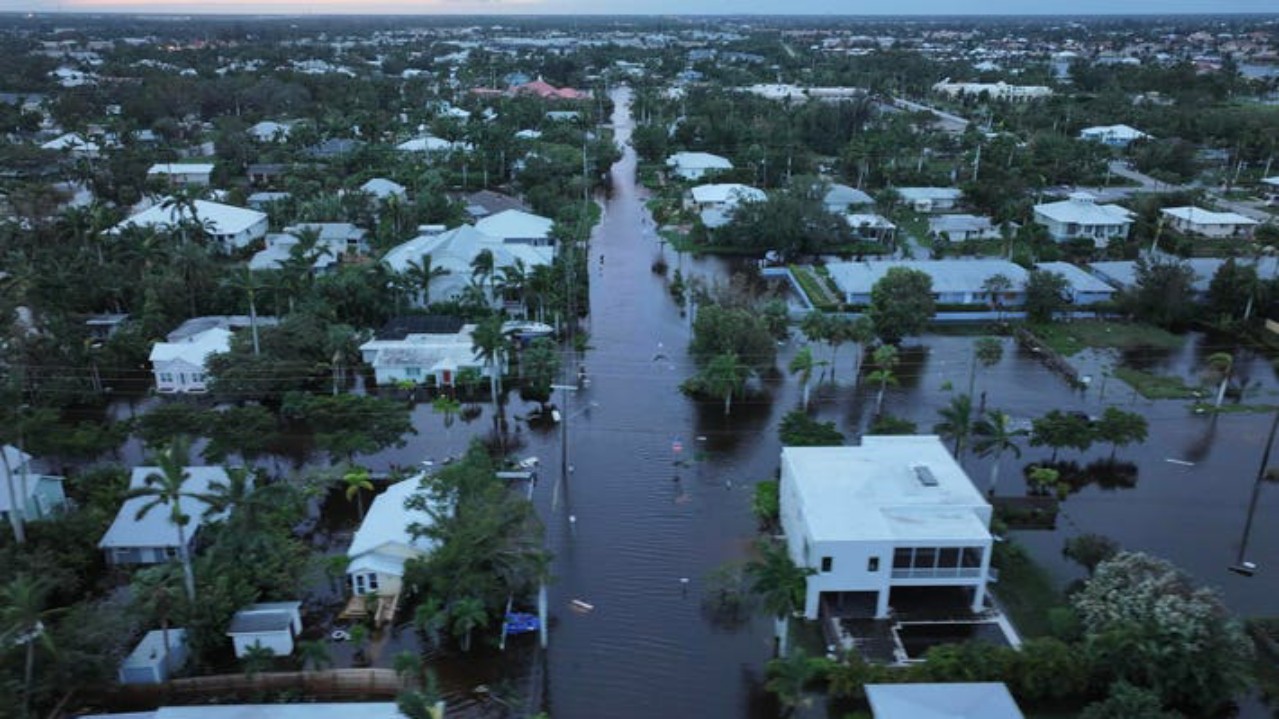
153 661
273 625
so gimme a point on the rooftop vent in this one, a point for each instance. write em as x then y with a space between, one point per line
924 475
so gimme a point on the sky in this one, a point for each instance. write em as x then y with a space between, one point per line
650 7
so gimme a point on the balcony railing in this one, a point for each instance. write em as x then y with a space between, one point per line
938 573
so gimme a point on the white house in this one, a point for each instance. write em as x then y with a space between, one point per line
875 228
270 131
192 175
1113 135
38 495
454 250
930 199
334 241
952 700
1270 189
840 198
153 660
179 367
517 227
696 165
955 282
433 145
419 357
384 189
893 512
231 227
271 625
993 90
153 538
958 228
1081 217
383 544
73 144
302 710
715 203
1206 223
1084 288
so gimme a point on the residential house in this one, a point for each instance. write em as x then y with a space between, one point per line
487 202
334 241
333 147
1113 135
433 145
959 700
696 165
1206 223
518 227
547 91
841 198
39 495
894 512
156 657
1122 274
270 131
454 250
1270 189
232 228
958 228
930 199
715 203
262 201
270 625
180 367
872 227
1084 288
384 189
153 538
234 323
563 116
423 358
266 174
73 144
383 542
1081 217
103 327
993 90
955 282
181 175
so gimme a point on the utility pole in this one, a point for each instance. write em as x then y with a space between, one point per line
1242 566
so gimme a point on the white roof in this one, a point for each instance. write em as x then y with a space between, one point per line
1200 216
173 168
70 141
194 349
430 143
731 193
430 352
1124 272
873 492
528 134
224 219
387 522
268 129
155 529
516 224
843 195
1079 279
959 223
1082 209
868 220
150 650
15 459
365 710
1272 181
916 194
1117 132
382 187
453 250
949 276
698 161
954 700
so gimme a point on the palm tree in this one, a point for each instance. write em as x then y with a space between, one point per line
408 665
22 616
1221 364
167 487
885 361
466 615
724 377
256 659
489 345
421 274
995 436
802 365
788 677
314 653
430 618
482 266
957 422
860 332
816 326
512 280
236 493
357 481
780 584
249 284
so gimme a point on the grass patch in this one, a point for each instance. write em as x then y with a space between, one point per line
814 287
1206 407
1026 590
1153 386
1073 337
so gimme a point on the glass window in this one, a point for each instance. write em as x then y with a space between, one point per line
948 557
413 371
827 563
972 557
925 558
872 564
166 377
373 582
901 558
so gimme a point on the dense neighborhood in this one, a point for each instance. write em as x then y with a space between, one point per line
428 366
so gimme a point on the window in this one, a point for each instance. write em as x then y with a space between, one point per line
948 557
972 557
197 377
901 558
171 552
412 371
166 377
925 558
372 582
827 563
872 564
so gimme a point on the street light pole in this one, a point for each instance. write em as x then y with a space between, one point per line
1241 565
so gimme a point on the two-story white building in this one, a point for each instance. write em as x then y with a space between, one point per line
1081 217
894 512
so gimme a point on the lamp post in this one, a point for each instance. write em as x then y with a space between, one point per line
1242 566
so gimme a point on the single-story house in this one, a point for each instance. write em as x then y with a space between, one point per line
154 660
1085 288
193 175
384 189
721 196
955 282
431 145
179 367
891 513
234 323
1080 216
993 90
419 357
73 144
840 198
1270 189
271 625
232 228
487 202
875 228
103 327
37 494
517 227
263 200
958 228
1206 223
930 199
958 700
696 165
454 250
270 131
153 538
266 173
335 241
383 543
1113 135
1122 274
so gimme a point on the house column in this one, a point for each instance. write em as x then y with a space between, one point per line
979 591
881 603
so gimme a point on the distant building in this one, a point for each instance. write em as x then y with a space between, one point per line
232 228
1084 288
269 131
181 175
384 189
269 625
840 198
993 90
872 227
180 367
487 202
1113 135
696 165
1206 223
930 199
154 660
958 228
74 145
955 282
1081 217
454 250
715 204
39 495
334 241
518 227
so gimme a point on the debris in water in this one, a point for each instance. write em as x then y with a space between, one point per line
581 607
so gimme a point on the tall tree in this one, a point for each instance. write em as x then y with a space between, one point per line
1059 429
1220 366
1120 428
466 615
356 482
780 584
490 345
23 612
885 361
1046 294
957 423
802 364
725 377
422 273
901 304
995 435
167 487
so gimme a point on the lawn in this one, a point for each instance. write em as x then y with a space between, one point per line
1026 590
815 287
1154 386
1068 338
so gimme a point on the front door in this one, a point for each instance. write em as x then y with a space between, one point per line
446 378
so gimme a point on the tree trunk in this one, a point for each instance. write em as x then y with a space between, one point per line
781 628
994 475
728 403
1221 391
805 394
188 575
15 509
28 675
879 399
